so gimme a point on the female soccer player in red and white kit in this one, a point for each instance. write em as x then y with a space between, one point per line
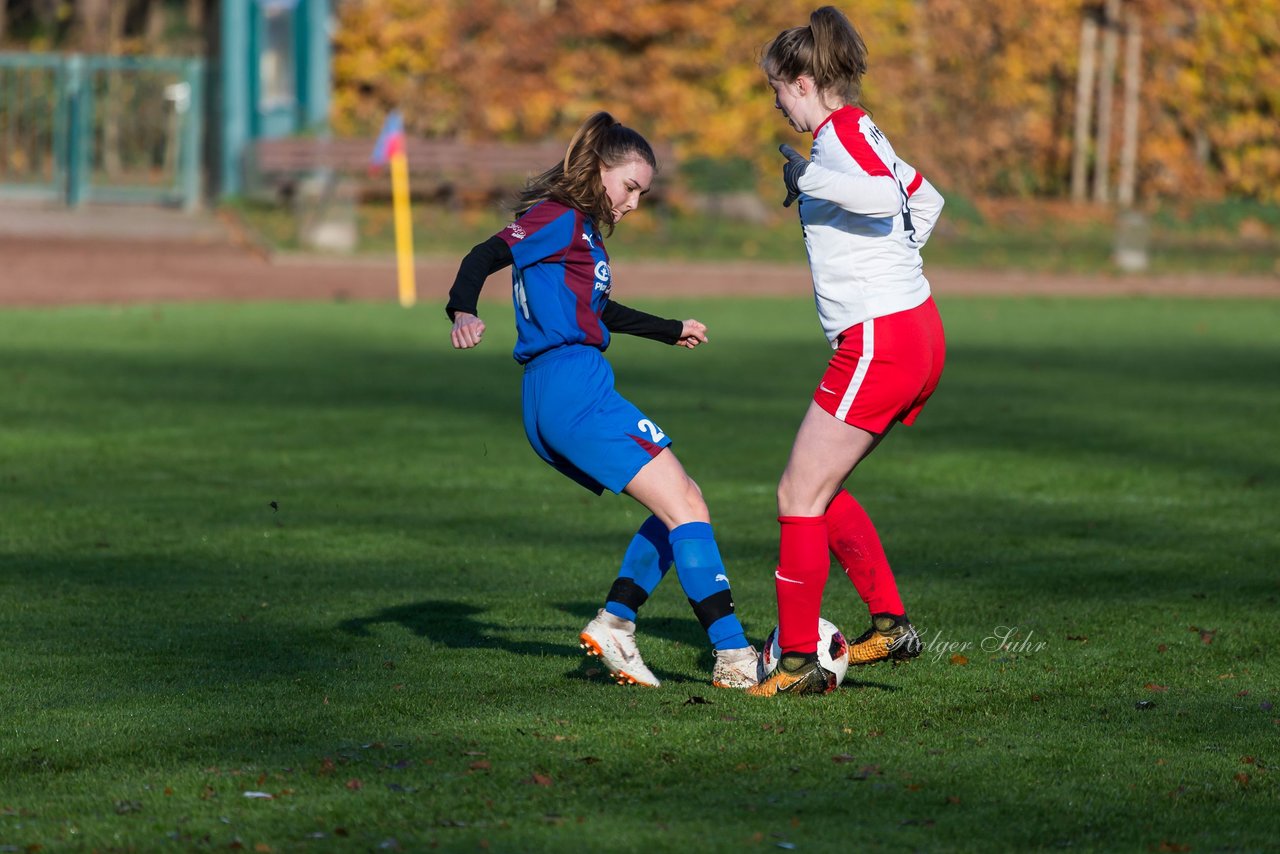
865 213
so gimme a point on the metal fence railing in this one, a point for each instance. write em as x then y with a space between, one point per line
100 128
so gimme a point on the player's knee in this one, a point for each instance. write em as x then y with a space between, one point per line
697 505
796 498
784 494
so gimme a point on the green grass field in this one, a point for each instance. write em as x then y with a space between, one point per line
288 578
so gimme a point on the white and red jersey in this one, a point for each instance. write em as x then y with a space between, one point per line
865 215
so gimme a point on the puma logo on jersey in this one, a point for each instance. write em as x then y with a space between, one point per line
586 235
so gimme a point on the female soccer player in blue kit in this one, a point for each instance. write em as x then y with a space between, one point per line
573 416
866 213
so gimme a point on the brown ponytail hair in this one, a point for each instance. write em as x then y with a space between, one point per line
601 142
829 50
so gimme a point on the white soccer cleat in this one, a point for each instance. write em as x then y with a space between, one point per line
613 640
736 668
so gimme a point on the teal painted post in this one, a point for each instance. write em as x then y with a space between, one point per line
192 134
317 72
77 144
61 130
234 87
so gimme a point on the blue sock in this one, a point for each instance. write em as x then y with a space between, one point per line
702 575
646 562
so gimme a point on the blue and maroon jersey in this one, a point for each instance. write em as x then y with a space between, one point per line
560 279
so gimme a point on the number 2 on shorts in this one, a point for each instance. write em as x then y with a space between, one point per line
647 426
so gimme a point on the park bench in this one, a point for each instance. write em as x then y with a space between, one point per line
322 180
454 171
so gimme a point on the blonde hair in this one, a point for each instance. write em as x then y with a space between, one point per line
829 50
601 142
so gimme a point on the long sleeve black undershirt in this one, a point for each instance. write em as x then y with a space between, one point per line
494 254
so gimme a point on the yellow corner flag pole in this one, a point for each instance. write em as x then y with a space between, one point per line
404 227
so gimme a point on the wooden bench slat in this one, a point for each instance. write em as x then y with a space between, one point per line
475 168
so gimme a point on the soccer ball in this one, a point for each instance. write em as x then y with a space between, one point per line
833 651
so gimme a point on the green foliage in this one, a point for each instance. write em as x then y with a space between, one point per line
719 175
304 551
1024 239
961 210
1221 217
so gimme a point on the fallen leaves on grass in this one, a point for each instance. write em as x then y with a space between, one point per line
1158 689
537 779
959 659
842 757
1206 635
480 765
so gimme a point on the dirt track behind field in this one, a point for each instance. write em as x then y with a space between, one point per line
118 256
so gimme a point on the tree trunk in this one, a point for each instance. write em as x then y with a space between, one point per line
157 24
92 23
195 14
922 60
1132 92
4 18
112 103
1106 86
1084 105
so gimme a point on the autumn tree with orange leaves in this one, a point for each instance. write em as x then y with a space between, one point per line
981 96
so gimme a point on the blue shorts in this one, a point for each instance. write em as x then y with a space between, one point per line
578 423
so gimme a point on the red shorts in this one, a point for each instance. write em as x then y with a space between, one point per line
885 369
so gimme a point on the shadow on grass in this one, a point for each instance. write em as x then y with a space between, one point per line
460 625
456 625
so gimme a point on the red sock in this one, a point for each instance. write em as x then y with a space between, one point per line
803 566
856 545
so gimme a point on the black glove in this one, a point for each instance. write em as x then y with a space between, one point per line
791 172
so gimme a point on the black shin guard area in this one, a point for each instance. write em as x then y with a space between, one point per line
626 592
712 608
